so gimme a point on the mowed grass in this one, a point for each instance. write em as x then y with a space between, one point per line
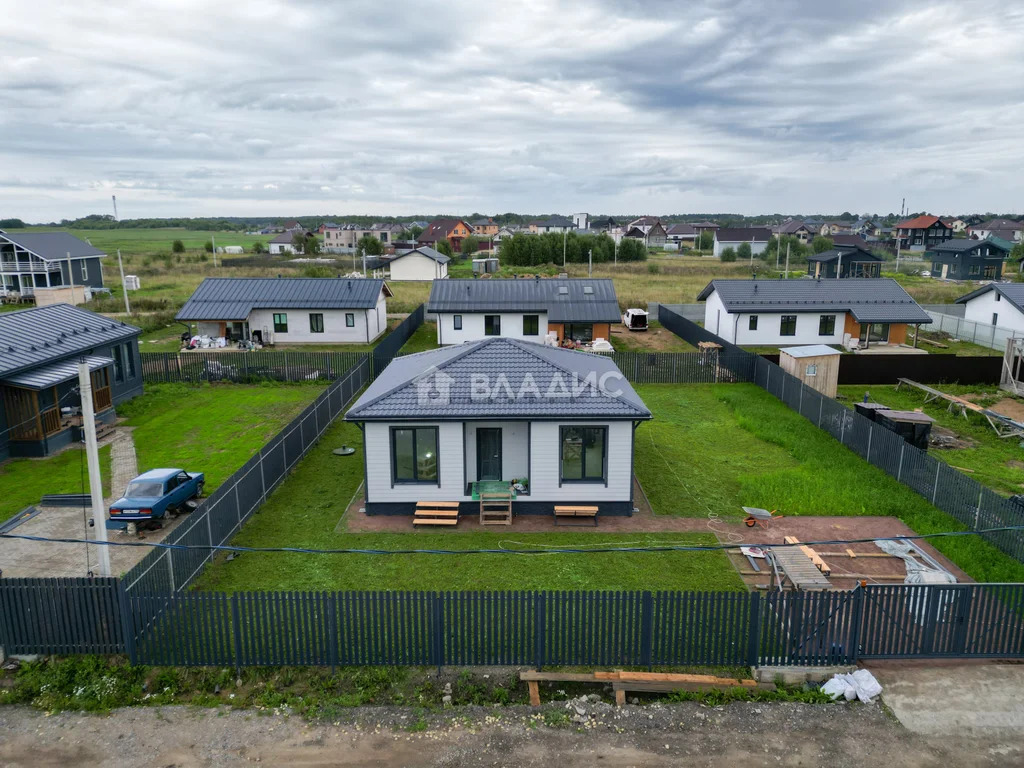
994 461
214 428
714 448
160 240
25 481
306 509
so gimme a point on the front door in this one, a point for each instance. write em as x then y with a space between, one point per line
945 271
488 453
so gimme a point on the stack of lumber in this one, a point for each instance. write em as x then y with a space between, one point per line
650 682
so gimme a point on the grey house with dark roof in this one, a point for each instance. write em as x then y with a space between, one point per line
961 259
42 260
39 353
852 313
845 261
577 309
293 310
558 424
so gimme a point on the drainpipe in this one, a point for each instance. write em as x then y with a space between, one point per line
917 332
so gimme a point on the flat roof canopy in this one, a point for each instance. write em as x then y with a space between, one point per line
53 374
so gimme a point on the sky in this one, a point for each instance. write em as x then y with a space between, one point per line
285 108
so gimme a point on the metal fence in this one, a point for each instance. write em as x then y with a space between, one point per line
982 334
511 628
972 504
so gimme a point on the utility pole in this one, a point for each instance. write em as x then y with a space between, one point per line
92 454
120 266
71 280
787 261
213 241
565 235
590 264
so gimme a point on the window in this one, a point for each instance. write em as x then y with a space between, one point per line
129 358
990 272
998 296
580 332
974 270
583 454
350 319
85 269
811 370
995 318
280 322
457 322
936 268
492 325
752 323
414 454
118 363
316 322
788 325
531 325
826 325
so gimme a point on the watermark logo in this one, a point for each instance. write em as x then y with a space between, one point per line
436 388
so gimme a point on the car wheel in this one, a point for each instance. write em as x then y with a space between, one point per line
199 490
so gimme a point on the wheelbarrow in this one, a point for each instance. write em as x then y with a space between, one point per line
758 516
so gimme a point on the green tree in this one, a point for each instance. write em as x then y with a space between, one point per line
443 246
820 244
631 249
370 245
743 251
470 245
706 241
312 245
729 254
258 247
178 247
208 246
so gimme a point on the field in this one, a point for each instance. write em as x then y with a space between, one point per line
214 429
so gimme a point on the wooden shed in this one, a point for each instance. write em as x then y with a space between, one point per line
816 365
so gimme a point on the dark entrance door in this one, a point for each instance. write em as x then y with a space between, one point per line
488 453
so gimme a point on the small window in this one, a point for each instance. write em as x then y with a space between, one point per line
414 455
811 370
752 323
457 322
531 325
316 322
280 322
787 327
998 296
588 290
492 325
350 319
85 269
129 358
118 363
583 454
974 270
995 318
827 325
563 290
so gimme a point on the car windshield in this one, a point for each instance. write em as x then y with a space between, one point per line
144 488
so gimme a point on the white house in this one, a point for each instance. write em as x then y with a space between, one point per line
422 263
581 309
999 304
558 424
756 237
294 310
282 243
784 312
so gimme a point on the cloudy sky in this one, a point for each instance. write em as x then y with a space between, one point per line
268 107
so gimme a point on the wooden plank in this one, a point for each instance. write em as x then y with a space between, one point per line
557 677
434 521
534 689
818 562
433 504
659 686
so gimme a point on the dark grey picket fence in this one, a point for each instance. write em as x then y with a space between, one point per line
511 628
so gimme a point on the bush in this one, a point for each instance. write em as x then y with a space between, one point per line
744 251
258 247
729 254
208 246
653 269
318 272
178 247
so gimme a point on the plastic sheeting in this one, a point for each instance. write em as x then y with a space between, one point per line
860 685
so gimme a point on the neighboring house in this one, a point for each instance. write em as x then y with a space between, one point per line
348 236
705 226
325 226
603 224
830 228
386 233
866 227
957 225
503 234
756 237
795 228
1007 229
452 230
581 309
856 241
647 229
1000 304
681 234
922 233
269 310
42 260
485 227
845 261
39 374
559 423
783 312
554 224
423 263
283 243
581 220
293 226
964 259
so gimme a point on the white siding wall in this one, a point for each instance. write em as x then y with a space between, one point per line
981 308
473 327
378 466
735 327
281 248
755 248
545 469
416 266
514 448
298 326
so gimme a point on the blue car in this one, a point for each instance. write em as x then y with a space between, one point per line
154 495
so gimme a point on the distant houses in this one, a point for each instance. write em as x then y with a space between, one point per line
998 304
49 267
1005 229
452 230
922 233
756 237
965 259
844 261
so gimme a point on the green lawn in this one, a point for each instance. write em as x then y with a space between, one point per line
154 240
996 462
422 340
715 448
950 347
24 481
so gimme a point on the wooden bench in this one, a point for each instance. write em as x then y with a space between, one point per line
586 513
637 681
436 513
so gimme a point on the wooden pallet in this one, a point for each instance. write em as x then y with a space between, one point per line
637 681
496 508
436 513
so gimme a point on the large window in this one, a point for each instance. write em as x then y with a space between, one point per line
118 363
350 319
492 325
583 454
582 332
414 455
531 325
990 272
280 322
85 269
827 325
129 359
316 322
752 323
973 270
457 322
787 327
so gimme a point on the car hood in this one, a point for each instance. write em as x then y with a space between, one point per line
138 502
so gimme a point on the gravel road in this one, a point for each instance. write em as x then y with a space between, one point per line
589 734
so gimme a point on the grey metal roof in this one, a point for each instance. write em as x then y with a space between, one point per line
424 250
524 381
811 350
41 335
879 300
233 298
51 246
1012 292
55 373
849 254
744 235
962 245
576 304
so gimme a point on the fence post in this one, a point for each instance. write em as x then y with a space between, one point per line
855 622
800 407
754 634
170 567
646 629
167 368
332 614
899 469
821 407
209 535
783 396
287 372
263 482
539 600
438 630
842 429
238 504
127 625
236 623
935 491
871 433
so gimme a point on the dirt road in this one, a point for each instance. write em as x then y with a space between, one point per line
585 734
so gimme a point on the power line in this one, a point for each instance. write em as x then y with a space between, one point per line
532 551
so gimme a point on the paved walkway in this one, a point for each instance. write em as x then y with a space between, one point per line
124 466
